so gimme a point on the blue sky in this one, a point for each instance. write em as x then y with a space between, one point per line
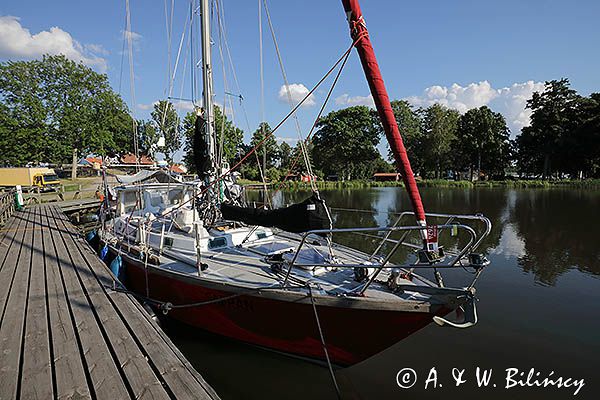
460 53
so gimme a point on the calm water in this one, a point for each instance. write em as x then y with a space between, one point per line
539 307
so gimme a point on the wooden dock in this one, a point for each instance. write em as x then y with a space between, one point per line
65 334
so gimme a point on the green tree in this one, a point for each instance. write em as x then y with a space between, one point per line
344 143
296 161
285 155
268 152
167 123
380 165
439 125
55 109
148 137
409 123
554 118
482 142
584 147
230 137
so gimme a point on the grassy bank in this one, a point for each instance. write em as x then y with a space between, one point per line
356 184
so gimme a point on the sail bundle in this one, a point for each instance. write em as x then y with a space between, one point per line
301 217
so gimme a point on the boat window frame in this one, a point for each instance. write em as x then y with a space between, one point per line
212 246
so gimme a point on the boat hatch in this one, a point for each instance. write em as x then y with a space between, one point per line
217 243
272 248
306 257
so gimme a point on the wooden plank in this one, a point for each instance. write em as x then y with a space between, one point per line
7 234
36 382
11 330
69 363
9 262
102 368
140 376
170 359
64 334
176 371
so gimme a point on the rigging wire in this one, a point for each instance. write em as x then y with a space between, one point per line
187 55
267 197
192 54
129 35
223 42
168 31
225 85
291 113
171 77
122 54
309 137
233 71
289 96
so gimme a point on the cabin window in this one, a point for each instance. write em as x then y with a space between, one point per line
217 242
129 201
261 234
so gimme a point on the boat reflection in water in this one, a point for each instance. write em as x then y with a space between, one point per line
525 310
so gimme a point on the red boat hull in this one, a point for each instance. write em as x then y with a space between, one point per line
351 334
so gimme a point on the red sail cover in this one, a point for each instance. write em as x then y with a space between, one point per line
366 53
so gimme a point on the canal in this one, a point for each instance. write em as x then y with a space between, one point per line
539 307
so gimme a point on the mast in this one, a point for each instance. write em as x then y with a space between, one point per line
358 29
207 85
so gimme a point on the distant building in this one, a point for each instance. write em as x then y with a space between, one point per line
301 177
93 162
386 176
178 169
130 159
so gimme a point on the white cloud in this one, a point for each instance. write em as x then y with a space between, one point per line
16 42
146 107
97 49
511 245
512 100
456 96
297 92
509 101
180 105
135 37
349 101
183 105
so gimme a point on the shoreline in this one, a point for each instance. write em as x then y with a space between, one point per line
442 183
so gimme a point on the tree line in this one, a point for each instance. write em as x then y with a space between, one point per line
53 109
563 140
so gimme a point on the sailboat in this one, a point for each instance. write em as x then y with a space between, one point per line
277 278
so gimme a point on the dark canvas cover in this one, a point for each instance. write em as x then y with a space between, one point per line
201 156
300 217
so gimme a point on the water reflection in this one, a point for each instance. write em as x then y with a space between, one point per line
545 263
547 231
559 231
